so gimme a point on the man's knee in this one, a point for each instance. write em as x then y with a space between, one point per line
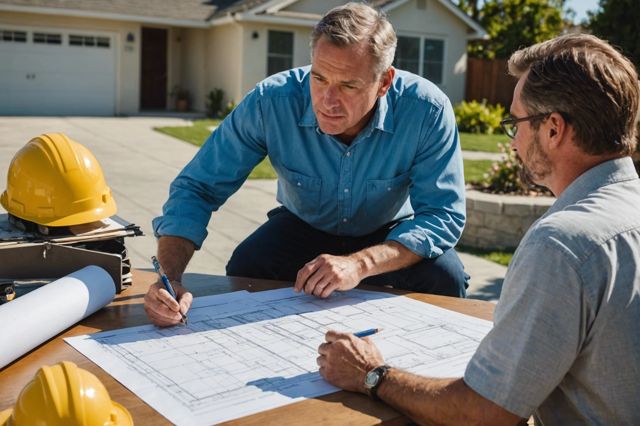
255 260
243 264
448 275
443 275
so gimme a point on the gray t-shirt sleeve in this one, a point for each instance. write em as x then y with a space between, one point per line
537 330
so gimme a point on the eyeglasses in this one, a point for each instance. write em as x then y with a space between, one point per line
510 125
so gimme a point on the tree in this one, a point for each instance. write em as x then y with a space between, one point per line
470 7
512 24
617 22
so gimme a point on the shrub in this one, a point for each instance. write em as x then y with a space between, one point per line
214 102
504 177
227 109
479 117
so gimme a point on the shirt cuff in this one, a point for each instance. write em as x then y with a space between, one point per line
180 227
409 235
484 379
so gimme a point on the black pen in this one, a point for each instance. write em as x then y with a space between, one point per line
166 282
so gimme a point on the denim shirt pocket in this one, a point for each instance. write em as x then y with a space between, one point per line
301 191
387 196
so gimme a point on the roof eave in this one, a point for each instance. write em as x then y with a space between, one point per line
478 31
263 19
104 15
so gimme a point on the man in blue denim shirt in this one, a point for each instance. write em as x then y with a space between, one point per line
565 345
369 167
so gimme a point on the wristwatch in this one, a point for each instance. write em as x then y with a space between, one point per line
373 380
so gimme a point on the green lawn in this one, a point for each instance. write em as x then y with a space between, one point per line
484 143
501 257
196 134
474 169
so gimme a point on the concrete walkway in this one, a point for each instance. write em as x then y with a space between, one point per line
139 164
477 155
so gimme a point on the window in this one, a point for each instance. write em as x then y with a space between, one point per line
408 54
46 38
433 60
13 36
88 41
280 51
421 56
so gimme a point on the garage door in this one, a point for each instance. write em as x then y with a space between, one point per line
53 72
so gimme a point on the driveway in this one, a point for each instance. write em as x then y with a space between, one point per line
140 163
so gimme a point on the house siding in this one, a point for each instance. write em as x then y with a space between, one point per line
436 22
255 52
314 6
191 64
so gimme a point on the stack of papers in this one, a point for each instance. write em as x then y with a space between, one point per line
106 229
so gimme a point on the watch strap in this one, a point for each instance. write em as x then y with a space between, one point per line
382 372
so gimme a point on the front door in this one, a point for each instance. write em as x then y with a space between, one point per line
153 75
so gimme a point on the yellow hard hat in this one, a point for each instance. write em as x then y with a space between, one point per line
55 181
65 395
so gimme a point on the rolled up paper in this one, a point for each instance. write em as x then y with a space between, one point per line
37 316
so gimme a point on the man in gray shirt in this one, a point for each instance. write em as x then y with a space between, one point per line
565 346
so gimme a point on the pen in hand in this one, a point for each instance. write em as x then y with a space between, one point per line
166 282
365 333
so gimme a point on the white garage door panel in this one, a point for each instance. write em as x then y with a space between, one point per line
46 79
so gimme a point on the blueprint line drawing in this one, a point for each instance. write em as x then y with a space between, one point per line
242 353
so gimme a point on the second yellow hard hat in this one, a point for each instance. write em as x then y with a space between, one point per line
65 395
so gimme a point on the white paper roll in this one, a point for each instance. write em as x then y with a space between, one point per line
41 314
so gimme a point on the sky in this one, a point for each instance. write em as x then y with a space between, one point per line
581 7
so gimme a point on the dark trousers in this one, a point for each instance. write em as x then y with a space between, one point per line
281 246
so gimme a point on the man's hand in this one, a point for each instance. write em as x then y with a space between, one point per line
327 273
345 360
162 309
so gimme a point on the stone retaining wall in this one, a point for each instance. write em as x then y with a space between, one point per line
500 221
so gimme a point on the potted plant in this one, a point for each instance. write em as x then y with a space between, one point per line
181 96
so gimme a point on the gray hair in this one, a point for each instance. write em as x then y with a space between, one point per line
353 23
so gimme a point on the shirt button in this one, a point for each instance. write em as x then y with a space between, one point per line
344 219
299 184
346 190
388 188
348 153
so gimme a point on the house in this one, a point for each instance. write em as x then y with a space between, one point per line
119 57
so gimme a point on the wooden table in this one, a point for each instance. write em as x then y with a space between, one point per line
127 311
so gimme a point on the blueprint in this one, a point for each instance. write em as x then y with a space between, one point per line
242 352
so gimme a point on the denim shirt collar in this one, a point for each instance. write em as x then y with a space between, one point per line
381 120
606 173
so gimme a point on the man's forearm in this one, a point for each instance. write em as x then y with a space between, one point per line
174 254
386 257
440 401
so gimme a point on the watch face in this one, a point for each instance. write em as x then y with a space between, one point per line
371 379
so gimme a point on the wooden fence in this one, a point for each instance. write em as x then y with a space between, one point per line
489 79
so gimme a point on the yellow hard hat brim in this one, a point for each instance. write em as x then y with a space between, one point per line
4 416
124 417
